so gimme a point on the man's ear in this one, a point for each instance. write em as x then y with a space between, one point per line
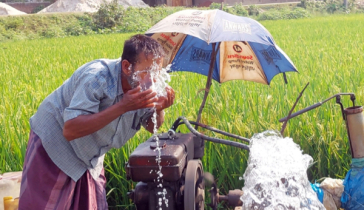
126 67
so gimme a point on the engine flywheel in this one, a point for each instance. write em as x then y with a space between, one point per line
194 190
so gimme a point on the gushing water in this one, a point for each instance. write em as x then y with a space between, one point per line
156 79
276 177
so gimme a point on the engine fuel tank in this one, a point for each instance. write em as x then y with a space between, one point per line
174 153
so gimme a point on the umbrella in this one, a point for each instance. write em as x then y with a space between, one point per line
221 46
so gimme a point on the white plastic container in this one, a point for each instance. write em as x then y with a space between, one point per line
9 186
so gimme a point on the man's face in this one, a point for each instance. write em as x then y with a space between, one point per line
144 70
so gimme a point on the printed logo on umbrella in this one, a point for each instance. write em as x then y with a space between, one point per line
270 54
174 34
237 48
199 54
237 27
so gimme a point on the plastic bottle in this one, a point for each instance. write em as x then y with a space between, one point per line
10 203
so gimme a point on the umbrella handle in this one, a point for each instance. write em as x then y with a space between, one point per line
209 80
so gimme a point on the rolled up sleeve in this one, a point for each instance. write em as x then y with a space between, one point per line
89 90
141 117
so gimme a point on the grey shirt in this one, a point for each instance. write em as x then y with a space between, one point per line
92 88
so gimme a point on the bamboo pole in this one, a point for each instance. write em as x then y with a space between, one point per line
209 80
290 112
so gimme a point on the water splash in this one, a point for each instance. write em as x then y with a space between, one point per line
276 175
156 79
153 78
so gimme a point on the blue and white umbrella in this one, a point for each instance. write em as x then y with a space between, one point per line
221 46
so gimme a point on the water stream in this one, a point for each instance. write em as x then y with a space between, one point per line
156 79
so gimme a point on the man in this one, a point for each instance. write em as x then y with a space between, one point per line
99 107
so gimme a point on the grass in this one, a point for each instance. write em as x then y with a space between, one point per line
327 51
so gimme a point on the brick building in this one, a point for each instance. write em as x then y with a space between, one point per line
28 6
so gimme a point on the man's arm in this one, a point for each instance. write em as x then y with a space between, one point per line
87 124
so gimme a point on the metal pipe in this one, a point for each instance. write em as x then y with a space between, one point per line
216 140
301 111
315 106
217 131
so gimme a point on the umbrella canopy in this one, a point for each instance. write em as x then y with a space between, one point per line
221 46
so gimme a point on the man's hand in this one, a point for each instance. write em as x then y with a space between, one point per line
165 102
162 103
134 99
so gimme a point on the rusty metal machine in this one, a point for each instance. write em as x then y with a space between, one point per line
181 183
182 186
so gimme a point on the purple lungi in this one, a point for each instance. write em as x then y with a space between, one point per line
45 186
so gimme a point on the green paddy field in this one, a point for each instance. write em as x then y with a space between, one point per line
327 51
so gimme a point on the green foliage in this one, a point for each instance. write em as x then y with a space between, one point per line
284 14
253 10
136 20
14 23
108 16
303 4
240 10
53 31
331 6
297 13
215 5
45 25
237 9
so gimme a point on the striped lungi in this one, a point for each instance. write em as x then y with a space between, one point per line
45 186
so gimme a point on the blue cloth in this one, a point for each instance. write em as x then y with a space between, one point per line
353 195
318 191
92 88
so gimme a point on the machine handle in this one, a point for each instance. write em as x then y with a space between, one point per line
352 98
217 131
301 111
216 140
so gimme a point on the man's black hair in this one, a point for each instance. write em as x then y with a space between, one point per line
141 44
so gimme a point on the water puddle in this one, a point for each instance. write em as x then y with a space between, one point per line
276 176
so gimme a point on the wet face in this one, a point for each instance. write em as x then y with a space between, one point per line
141 72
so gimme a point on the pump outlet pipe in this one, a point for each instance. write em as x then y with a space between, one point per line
355 127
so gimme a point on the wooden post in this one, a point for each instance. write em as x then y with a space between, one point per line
209 80
290 112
